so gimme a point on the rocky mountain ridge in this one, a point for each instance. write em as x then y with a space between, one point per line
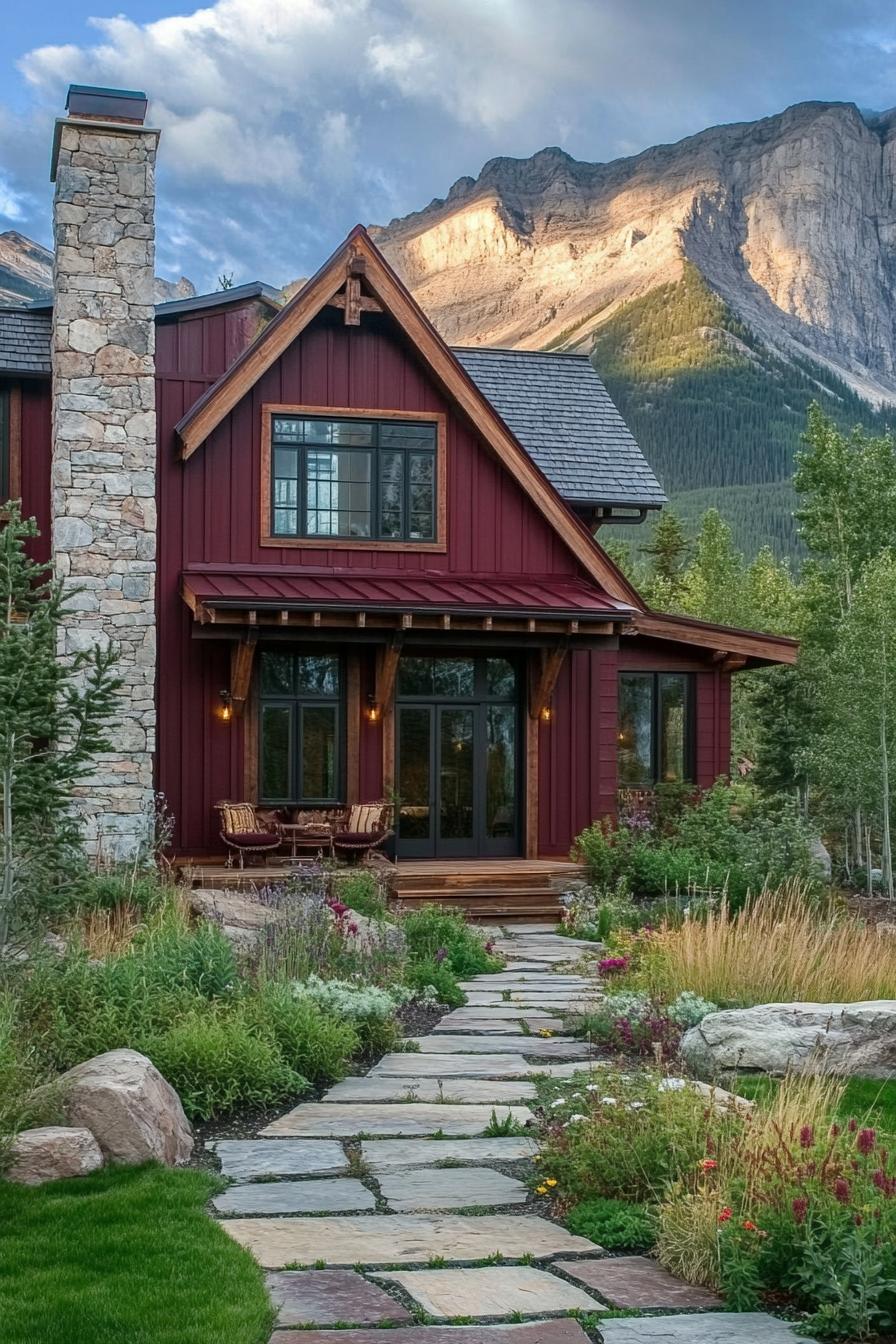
792 220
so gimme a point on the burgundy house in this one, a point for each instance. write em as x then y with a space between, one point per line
376 571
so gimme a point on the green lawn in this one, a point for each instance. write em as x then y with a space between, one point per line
125 1257
867 1099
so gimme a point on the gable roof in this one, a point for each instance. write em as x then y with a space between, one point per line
562 414
359 255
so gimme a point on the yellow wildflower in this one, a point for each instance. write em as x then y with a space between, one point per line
541 1190
550 1181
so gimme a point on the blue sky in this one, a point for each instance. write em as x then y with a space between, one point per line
287 121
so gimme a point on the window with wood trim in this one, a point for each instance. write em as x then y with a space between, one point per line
302 728
656 728
353 479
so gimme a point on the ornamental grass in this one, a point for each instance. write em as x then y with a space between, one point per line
784 945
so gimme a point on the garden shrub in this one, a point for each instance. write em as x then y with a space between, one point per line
731 841
625 1137
361 891
632 1022
441 934
794 1202
369 1010
429 974
217 1059
123 885
614 1224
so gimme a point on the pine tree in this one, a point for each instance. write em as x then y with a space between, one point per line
52 714
668 550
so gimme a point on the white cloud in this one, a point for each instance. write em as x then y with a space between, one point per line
285 121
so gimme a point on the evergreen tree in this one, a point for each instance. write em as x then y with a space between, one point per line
52 714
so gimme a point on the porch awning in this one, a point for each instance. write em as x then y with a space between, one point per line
217 595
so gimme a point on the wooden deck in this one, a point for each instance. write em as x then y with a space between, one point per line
484 889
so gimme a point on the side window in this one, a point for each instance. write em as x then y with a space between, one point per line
656 728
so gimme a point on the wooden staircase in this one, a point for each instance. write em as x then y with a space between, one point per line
486 889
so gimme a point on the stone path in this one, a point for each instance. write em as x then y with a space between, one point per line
348 1201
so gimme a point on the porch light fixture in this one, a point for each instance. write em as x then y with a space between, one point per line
373 710
226 706
546 714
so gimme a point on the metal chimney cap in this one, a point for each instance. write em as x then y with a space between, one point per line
98 104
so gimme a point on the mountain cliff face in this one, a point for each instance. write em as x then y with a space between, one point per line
26 273
720 282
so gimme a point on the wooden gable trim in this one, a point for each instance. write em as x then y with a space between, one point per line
731 645
359 253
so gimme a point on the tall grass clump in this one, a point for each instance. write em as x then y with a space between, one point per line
784 945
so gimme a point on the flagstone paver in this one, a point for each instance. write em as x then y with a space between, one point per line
477 1064
558 1047
490 1293
419 1188
335 1196
387 1154
503 1011
485 1025
250 1159
474 1091
329 1297
458 1023
402 1238
452 1066
637 1281
711 1327
345 1120
535 1332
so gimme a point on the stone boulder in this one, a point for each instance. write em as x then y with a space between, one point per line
843 1038
132 1112
52 1153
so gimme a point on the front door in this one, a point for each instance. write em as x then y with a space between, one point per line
457 747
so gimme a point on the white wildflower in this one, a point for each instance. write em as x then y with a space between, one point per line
608 1101
559 1101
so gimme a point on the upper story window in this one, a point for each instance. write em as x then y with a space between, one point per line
656 728
353 479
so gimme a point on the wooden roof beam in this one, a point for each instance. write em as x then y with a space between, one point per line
541 685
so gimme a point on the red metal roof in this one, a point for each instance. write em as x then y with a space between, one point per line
420 592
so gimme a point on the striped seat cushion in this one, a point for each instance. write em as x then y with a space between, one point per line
364 818
238 818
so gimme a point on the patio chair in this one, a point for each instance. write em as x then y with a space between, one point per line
365 826
245 832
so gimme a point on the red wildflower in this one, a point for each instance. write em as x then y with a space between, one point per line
353 928
852 1126
800 1208
610 965
708 1164
842 1190
807 1136
748 1226
725 1215
835 1131
865 1141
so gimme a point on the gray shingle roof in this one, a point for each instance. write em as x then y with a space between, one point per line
562 414
24 340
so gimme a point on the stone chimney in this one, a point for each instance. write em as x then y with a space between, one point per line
104 431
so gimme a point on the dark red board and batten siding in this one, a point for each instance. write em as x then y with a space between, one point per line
209 514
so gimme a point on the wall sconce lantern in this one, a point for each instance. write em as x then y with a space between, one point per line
226 706
546 714
373 710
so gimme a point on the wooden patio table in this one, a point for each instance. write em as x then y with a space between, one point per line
301 835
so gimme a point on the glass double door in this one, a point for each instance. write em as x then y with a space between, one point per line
457 757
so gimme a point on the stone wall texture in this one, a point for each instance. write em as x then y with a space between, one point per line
104 447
